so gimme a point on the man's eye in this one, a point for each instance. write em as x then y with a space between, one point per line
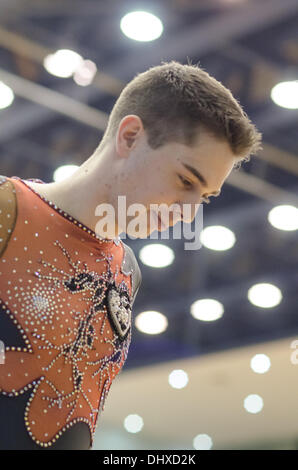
188 184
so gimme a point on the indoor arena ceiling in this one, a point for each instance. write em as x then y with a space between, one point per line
247 45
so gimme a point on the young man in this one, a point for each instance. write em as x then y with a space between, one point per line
67 285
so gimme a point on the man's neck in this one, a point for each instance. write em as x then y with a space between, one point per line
80 194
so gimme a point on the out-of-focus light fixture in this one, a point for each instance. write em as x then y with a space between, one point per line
253 403
285 94
156 255
264 295
133 423
64 172
151 322
141 26
202 442
62 63
6 96
217 237
206 310
284 217
85 73
260 363
178 378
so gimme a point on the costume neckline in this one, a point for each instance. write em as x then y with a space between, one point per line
64 214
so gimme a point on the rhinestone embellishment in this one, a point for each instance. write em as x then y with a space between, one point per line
119 309
74 315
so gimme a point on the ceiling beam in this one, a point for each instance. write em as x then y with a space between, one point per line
54 101
20 45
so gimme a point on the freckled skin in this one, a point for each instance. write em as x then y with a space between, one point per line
128 166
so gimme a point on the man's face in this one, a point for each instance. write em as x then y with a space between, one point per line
173 174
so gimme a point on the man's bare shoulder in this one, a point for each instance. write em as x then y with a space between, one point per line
40 188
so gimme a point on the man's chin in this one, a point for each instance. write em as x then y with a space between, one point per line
138 233
144 233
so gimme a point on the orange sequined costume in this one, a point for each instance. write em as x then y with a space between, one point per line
65 318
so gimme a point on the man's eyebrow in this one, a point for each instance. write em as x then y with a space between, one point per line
200 177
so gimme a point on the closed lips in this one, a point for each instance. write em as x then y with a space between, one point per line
161 223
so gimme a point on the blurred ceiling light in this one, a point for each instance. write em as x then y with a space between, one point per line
260 363
264 295
133 423
85 73
285 94
217 237
178 378
151 322
62 63
6 96
202 442
253 403
156 255
64 172
206 310
284 217
141 26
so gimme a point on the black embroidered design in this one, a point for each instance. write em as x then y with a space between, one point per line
77 342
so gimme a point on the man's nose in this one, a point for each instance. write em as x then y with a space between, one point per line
187 212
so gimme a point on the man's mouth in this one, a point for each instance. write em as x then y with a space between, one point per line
161 225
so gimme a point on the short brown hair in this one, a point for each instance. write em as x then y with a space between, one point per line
175 100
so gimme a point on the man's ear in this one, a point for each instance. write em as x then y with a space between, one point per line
129 129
